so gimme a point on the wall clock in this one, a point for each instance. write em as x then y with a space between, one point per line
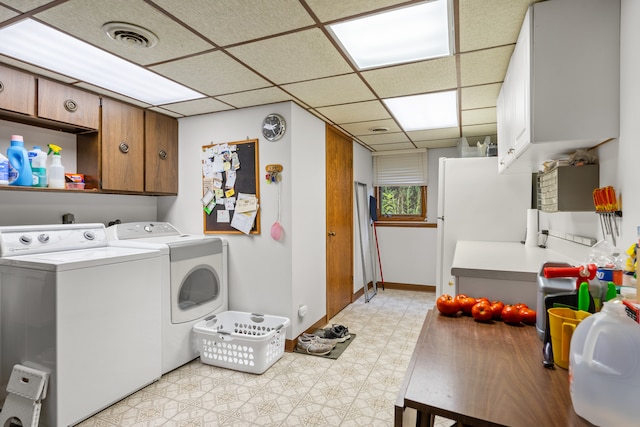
273 127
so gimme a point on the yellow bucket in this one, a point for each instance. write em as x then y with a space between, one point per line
562 323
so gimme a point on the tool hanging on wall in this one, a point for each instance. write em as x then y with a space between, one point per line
273 173
608 207
373 213
274 176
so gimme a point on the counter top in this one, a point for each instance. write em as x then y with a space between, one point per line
502 260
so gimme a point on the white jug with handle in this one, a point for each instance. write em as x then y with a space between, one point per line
604 368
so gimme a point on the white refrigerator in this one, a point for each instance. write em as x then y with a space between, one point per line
477 203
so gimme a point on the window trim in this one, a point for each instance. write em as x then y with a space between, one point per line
402 218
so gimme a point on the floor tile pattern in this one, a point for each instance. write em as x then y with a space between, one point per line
357 389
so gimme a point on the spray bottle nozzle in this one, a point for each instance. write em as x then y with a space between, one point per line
53 148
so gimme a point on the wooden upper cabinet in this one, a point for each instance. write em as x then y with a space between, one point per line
67 104
17 91
122 135
161 153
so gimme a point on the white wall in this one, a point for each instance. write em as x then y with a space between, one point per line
363 173
265 275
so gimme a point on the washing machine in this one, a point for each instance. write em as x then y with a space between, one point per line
195 281
81 310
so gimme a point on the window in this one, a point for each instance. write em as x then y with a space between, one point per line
400 178
402 203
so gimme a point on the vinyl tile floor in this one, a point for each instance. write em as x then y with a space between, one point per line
357 389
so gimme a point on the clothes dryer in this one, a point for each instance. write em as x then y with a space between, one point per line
85 312
195 281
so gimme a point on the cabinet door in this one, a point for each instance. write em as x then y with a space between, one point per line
17 91
122 147
520 94
66 104
161 153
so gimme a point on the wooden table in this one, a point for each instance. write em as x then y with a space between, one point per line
483 374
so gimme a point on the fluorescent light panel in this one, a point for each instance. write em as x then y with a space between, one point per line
38 44
428 111
408 34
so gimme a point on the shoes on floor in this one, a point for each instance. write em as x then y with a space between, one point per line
336 332
312 345
321 340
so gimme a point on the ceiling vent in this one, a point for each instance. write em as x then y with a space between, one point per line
130 35
377 129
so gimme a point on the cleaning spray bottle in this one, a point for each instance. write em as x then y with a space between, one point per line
56 170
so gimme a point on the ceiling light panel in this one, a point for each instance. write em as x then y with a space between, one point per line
38 44
403 35
427 111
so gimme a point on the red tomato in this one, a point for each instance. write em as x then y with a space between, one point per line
496 307
483 299
482 311
447 305
459 297
466 304
511 315
521 305
528 316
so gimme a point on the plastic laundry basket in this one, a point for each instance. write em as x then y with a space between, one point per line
241 341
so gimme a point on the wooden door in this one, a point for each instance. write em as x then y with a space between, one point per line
161 153
339 173
122 147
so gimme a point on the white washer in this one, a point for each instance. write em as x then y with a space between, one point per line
87 313
195 282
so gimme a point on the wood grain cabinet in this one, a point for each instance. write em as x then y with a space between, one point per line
17 91
68 105
161 154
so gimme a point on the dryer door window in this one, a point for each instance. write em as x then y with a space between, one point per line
198 294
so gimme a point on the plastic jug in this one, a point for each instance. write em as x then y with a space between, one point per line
604 369
19 167
38 160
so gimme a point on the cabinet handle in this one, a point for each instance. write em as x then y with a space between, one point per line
511 150
332 233
1 86
124 147
162 154
70 105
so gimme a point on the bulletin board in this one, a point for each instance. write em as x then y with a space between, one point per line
240 190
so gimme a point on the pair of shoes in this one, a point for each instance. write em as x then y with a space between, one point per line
313 345
337 332
319 339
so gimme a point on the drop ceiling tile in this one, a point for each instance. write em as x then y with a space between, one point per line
268 95
479 96
481 27
393 146
479 116
358 112
166 112
226 22
198 106
363 128
384 138
437 143
480 130
304 55
431 134
485 66
420 77
26 5
84 19
331 91
328 10
6 14
212 73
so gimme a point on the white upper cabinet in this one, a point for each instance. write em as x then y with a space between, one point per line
562 87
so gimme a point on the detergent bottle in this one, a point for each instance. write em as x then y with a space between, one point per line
604 372
56 170
38 160
19 167
4 170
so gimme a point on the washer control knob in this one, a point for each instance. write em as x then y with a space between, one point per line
25 239
43 238
147 228
89 235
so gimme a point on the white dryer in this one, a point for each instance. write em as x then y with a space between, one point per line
195 281
85 312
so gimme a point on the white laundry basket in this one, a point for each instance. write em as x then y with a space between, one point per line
241 341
